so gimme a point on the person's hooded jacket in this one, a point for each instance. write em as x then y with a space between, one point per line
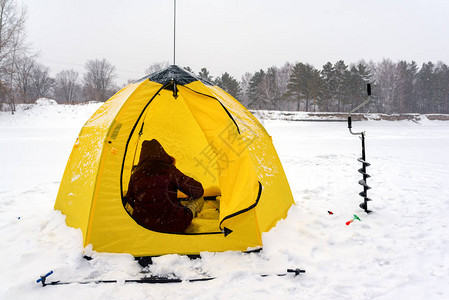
152 191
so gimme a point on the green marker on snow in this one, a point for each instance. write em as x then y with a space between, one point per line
355 218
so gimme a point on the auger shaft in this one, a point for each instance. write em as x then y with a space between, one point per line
365 164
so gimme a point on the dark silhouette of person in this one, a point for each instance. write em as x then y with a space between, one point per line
153 188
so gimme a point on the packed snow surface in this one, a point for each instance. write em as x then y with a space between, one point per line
400 251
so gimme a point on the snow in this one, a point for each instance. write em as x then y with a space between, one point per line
46 101
400 251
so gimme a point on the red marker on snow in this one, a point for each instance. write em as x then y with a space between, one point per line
355 218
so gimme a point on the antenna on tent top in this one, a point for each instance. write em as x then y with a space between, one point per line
174 32
365 164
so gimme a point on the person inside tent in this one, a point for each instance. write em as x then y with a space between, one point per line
153 188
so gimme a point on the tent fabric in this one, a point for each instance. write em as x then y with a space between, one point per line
214 140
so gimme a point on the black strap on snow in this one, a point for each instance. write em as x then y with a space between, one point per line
152 279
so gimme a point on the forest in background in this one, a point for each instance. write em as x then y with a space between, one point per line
397 87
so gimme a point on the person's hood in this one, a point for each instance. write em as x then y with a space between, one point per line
153 150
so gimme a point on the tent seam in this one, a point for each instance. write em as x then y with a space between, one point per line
224 107
100 171
245 209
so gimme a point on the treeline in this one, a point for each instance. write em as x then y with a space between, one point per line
24 80
28 81
397 87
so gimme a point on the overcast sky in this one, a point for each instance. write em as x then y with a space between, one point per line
235 36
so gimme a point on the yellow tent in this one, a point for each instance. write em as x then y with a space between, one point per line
213 138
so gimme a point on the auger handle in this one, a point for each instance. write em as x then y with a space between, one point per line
368 90
296 271
43 278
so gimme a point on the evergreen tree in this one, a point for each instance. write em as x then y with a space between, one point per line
305 84
328 86
342 78
442 88
412 73
254 94
204 74
426 88
229 84
359 76
294 87
405 76
316 86
188 69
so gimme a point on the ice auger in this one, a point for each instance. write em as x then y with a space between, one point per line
365 164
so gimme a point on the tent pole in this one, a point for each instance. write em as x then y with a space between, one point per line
174 32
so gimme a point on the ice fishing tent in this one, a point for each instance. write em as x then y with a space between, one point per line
213 138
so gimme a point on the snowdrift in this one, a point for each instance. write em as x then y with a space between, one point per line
397 252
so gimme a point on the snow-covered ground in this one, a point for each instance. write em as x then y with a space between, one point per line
400 251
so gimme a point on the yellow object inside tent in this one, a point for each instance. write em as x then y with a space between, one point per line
213 138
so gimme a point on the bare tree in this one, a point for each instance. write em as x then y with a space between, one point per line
244 87
23 74
4 95
12 32
282 80
268 89
41 81
66 86
385 77
99 79
12 43
157 66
